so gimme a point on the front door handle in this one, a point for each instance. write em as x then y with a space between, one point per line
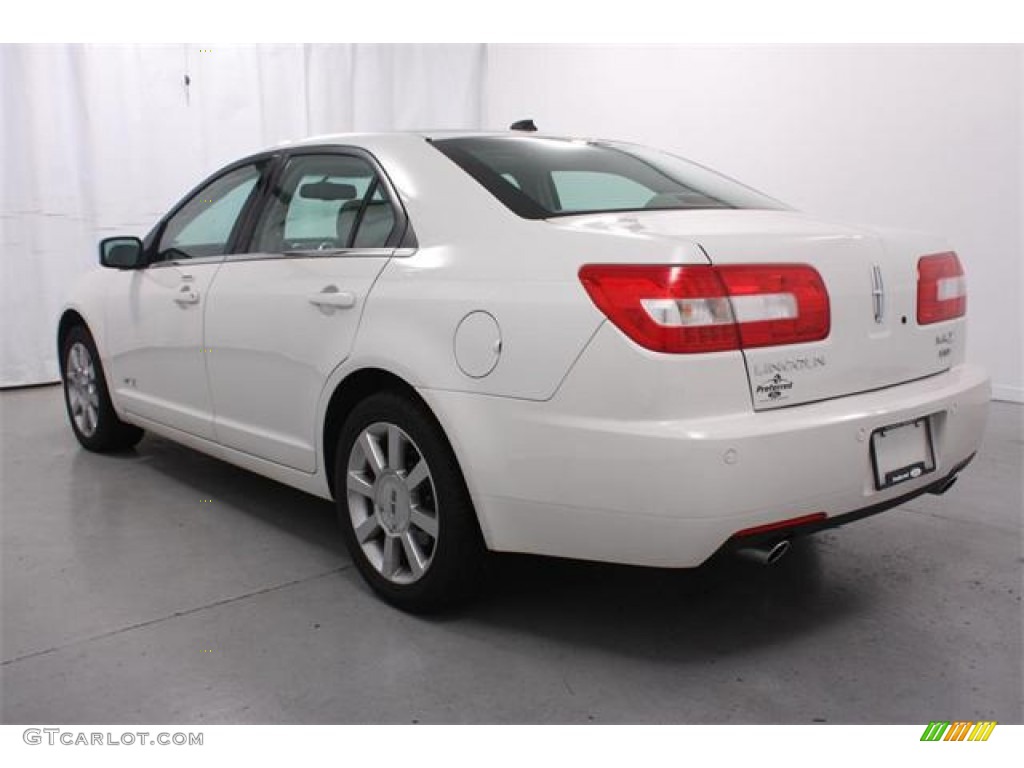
187 295
330 298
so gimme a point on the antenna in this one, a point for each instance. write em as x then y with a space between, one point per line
523 125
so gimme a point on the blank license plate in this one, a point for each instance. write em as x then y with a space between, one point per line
902 452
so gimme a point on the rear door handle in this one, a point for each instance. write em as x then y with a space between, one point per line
187 295
331 298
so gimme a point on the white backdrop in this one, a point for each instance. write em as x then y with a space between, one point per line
921 137
103 139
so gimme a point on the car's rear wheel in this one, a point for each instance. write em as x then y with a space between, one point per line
92 415
403 506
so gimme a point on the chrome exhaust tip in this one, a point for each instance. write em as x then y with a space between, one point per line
765 554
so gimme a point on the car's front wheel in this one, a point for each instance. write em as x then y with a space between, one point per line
403 506
90 411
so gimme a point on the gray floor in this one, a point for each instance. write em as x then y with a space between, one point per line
161 586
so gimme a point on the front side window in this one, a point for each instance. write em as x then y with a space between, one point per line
326 202
203 226
540 178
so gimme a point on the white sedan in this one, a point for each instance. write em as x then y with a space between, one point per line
523 343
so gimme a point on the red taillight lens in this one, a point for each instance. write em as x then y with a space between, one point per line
688 309
667 309
941 288
777 304
793 522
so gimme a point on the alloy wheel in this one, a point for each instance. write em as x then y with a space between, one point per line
83 395
392 503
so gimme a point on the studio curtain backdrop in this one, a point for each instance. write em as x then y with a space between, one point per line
102 140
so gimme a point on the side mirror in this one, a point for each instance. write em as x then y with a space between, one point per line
121 253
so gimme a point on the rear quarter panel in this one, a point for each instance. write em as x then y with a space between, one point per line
476 255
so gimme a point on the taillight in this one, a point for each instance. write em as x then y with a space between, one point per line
941 288
691 309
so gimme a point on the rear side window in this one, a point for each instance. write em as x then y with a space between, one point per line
540 178
326 202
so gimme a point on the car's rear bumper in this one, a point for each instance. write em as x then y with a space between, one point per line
791 529
670 492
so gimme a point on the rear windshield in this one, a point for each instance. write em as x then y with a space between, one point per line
540 178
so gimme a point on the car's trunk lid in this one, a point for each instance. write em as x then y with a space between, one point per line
874 340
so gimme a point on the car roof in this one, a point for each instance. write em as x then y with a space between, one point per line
348 138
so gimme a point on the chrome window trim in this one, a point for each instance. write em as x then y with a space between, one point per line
326 253
313 253
186 262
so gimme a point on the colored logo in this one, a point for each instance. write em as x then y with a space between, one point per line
961 730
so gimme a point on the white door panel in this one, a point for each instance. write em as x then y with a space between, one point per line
154 341
276 327
154 328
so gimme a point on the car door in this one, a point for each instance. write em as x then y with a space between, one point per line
154 324
283 315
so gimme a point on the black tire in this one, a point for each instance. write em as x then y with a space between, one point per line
109 433
457 552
